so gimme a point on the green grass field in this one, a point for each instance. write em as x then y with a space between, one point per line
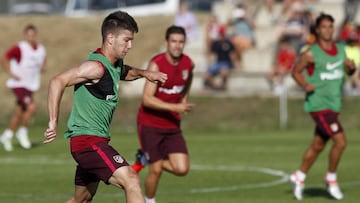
232 165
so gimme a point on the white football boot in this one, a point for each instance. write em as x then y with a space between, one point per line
7 143
298 186
22 137
334 190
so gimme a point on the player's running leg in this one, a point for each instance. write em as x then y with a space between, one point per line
311 154
339 145
84 194
126 178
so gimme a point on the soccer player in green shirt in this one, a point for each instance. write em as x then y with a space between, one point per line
96 86
325 63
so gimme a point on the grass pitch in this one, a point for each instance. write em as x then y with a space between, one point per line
226 167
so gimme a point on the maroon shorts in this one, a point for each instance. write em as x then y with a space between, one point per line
158 143
327 124
23 97
97 163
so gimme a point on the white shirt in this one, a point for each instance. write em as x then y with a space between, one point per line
28 68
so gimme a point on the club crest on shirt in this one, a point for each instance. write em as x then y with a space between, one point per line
185 74
334 127
118 159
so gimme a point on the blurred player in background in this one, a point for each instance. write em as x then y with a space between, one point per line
326 64
96 96
160 136
24 62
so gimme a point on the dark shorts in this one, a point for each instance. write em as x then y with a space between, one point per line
158 143
327 124
23 97
97 163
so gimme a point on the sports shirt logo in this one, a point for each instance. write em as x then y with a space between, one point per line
174 90
118 159
334 127
331 66
185 74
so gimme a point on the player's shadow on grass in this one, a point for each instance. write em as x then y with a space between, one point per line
316 192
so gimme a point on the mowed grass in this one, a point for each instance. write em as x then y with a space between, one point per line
227 167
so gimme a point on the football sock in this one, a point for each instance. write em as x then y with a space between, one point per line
330 177
150 200
22 130
300 175
8 134
137 167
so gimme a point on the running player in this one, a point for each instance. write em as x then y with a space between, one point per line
159 119
24 62
326 64
96 95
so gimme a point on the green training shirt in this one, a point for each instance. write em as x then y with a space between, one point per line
327 78
94 104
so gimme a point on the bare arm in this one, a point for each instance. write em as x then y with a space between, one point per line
297 73
5 62
88 71
43 66
187 87
151 101
136 73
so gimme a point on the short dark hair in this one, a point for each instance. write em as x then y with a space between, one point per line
30 27
174 29
321 17
116 21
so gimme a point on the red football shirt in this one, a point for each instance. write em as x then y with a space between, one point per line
172 91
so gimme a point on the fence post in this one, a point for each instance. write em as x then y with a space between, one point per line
283 110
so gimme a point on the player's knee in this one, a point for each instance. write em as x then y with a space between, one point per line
340 141
181 170
132 184
31 107
318 147
132 181
156 171
340 145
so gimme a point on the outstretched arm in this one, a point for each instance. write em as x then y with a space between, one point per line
89 71
132 73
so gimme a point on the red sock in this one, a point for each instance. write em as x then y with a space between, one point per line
137 167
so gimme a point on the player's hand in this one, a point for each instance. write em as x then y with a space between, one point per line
350 66
50 133
308 87
184 107
156 77
15 77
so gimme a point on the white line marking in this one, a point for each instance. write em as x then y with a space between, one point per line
283 178
46 160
